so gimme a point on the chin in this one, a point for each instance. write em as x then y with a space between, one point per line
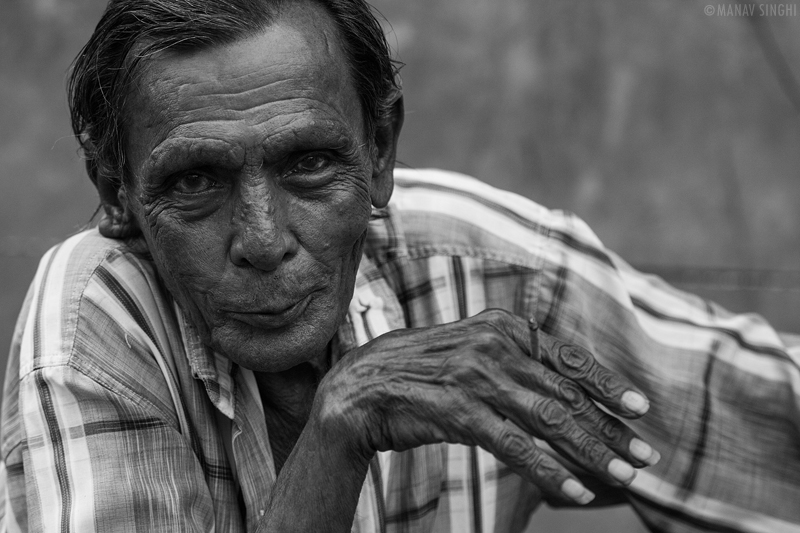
274 350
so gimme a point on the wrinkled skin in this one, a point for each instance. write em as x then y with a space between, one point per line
253 183
254 186
465 381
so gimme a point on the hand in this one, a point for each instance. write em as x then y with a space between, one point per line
495 381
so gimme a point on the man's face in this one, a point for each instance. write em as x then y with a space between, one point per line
253 185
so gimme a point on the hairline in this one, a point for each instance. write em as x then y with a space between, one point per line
106 155
143 55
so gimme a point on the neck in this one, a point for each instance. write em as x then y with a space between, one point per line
287 398
289 392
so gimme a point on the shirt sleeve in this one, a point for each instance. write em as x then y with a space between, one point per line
723 387
91 438
98 460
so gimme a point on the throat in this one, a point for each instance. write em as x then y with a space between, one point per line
284 431
287 398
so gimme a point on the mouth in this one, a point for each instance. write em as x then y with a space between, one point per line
272 318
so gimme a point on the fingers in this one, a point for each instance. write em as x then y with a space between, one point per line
521 332
593 437
496 364
606 495
548 419
518 451
605 386
573 362
617 436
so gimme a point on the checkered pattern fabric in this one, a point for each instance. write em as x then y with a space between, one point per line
117 418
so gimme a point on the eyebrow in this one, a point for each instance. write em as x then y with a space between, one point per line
187 151
305 131
180 153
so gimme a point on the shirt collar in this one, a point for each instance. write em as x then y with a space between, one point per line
385 236
212 368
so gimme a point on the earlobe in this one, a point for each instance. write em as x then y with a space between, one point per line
117 220
386 138
117 223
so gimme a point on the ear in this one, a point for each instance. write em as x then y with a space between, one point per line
386 137
117 221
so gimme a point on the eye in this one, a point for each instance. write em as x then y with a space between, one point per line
311 163
193 184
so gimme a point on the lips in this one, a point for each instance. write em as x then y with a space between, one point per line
272 318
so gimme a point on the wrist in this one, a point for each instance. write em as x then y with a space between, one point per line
319 486
338 420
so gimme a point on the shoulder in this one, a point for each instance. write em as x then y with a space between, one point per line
86 290
93 321
83 328
442 212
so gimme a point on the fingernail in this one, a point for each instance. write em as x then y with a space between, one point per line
656 457
577 492
621 471
643 452
635 402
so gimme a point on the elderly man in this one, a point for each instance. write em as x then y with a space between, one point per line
260 335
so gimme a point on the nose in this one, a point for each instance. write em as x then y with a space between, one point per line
262 237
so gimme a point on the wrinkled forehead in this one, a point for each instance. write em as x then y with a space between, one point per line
297 59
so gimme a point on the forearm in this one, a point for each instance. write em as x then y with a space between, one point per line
319 485
723 390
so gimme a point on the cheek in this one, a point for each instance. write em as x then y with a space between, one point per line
337 227
187 256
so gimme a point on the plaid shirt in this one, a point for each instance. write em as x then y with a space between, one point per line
116 417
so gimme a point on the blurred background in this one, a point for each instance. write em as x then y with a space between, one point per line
673 132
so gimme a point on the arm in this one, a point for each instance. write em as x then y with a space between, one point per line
95 459
476 382
87 412
91 439
319 485
723 387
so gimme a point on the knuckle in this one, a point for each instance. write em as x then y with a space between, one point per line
494 315
608 383
488 338
554 419
514 445
460 367
474 375
543 470
592 450
573 396
613 430
575 360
